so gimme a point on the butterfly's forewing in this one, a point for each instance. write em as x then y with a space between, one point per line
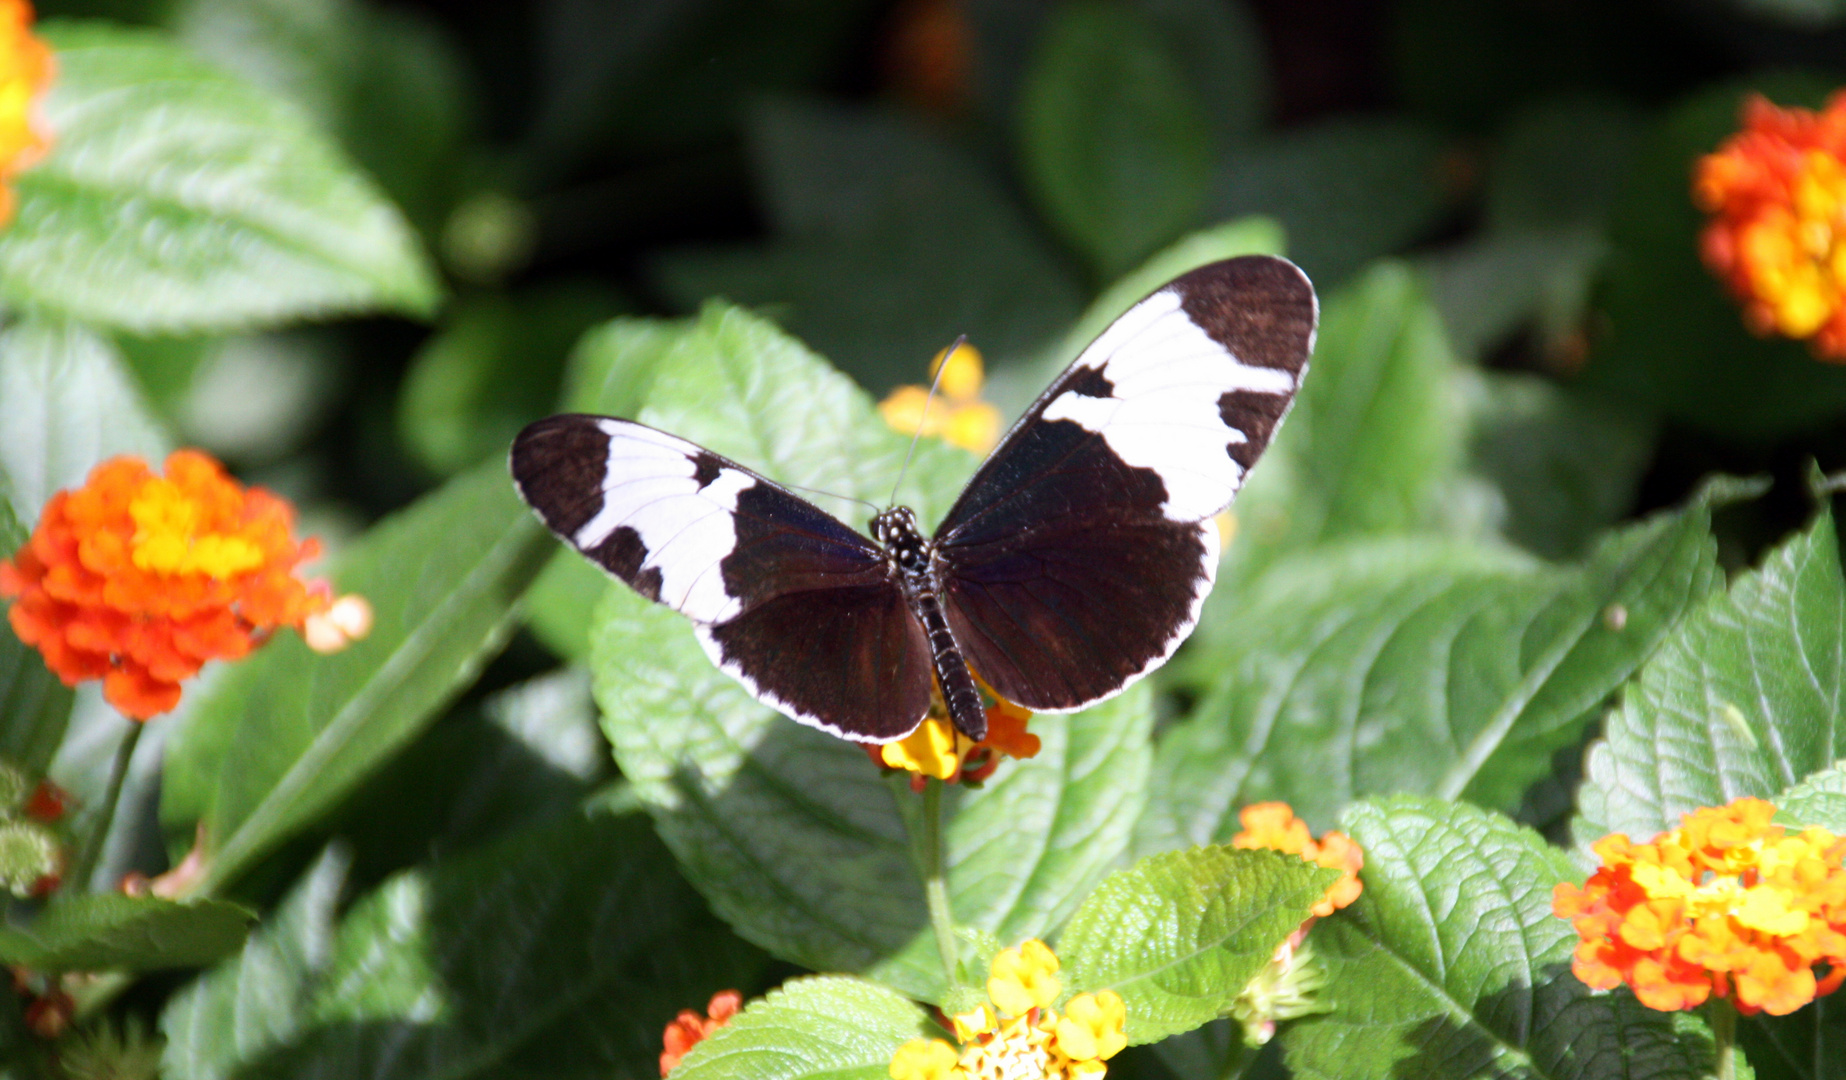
1078 557
791 602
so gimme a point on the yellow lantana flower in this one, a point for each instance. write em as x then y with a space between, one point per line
961 417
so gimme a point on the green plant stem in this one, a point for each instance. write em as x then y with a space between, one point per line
935 879
1723 1017
93 844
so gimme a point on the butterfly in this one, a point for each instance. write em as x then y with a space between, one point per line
1074 562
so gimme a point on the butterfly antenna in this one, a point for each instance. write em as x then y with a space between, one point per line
923 420
835 495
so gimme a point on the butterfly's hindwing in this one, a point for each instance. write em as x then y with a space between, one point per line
781 589
1078 557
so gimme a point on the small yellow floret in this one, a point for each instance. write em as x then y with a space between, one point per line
923 1059
1092 1026
167 541
1024 978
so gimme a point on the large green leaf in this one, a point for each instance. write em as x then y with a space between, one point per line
559 951
287 733
890 241
825 1027
107 931
1347 190
1744 699
178 199
254 1001
1419 666
1451 965
1181 934
1818 800
1114 143
792 834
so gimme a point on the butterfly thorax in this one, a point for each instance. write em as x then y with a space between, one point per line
909 556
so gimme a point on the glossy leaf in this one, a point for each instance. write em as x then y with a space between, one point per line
1113 141
108 931
1820 800
1451 965
178 199
286 733
1180 935
1418 666
1744 699
824 1027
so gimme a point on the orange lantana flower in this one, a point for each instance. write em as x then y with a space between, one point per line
1274 825
25 69
689 1029
1727 904
138 579
1777 195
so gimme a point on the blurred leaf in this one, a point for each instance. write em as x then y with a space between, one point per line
304 51
257 398
1804 14
1819 799
179 200
1346 191
1742 699
1451 965
108 931
1114 144
792 834
1420 666
254 1001
287 733
540 955
1220 47
825 1026
492 369
1497 284
82 766
66 404
1566 464
890 242
1676 341
612 367
1181 934
1561 162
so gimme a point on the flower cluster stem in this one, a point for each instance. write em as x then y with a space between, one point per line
935 878
93 844
1723 1017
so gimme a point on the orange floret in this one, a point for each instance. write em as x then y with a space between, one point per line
25 71
1776 192
689 1029
138 579
1274 825
1728 904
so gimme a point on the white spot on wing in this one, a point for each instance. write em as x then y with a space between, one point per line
649 486
1168 375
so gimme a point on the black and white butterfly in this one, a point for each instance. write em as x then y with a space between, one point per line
1075 561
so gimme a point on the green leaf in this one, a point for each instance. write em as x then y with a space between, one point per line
557 951
1490 287
792 834
287 733
66 403
106 931
253 1001
1566 464
1418 666
1676 340
1180 935
1451 964
1743 699
1819 799
177 199
1222 51
1346 191
1114 144
890 241
494 368
1561 161
823 1027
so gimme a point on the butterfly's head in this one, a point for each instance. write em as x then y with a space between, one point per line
896 530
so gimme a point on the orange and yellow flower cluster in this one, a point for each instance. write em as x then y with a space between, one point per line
1727 904
25 70
936 749
1777 195
1273 825
138 579
1018 1036
689 1029
962 418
